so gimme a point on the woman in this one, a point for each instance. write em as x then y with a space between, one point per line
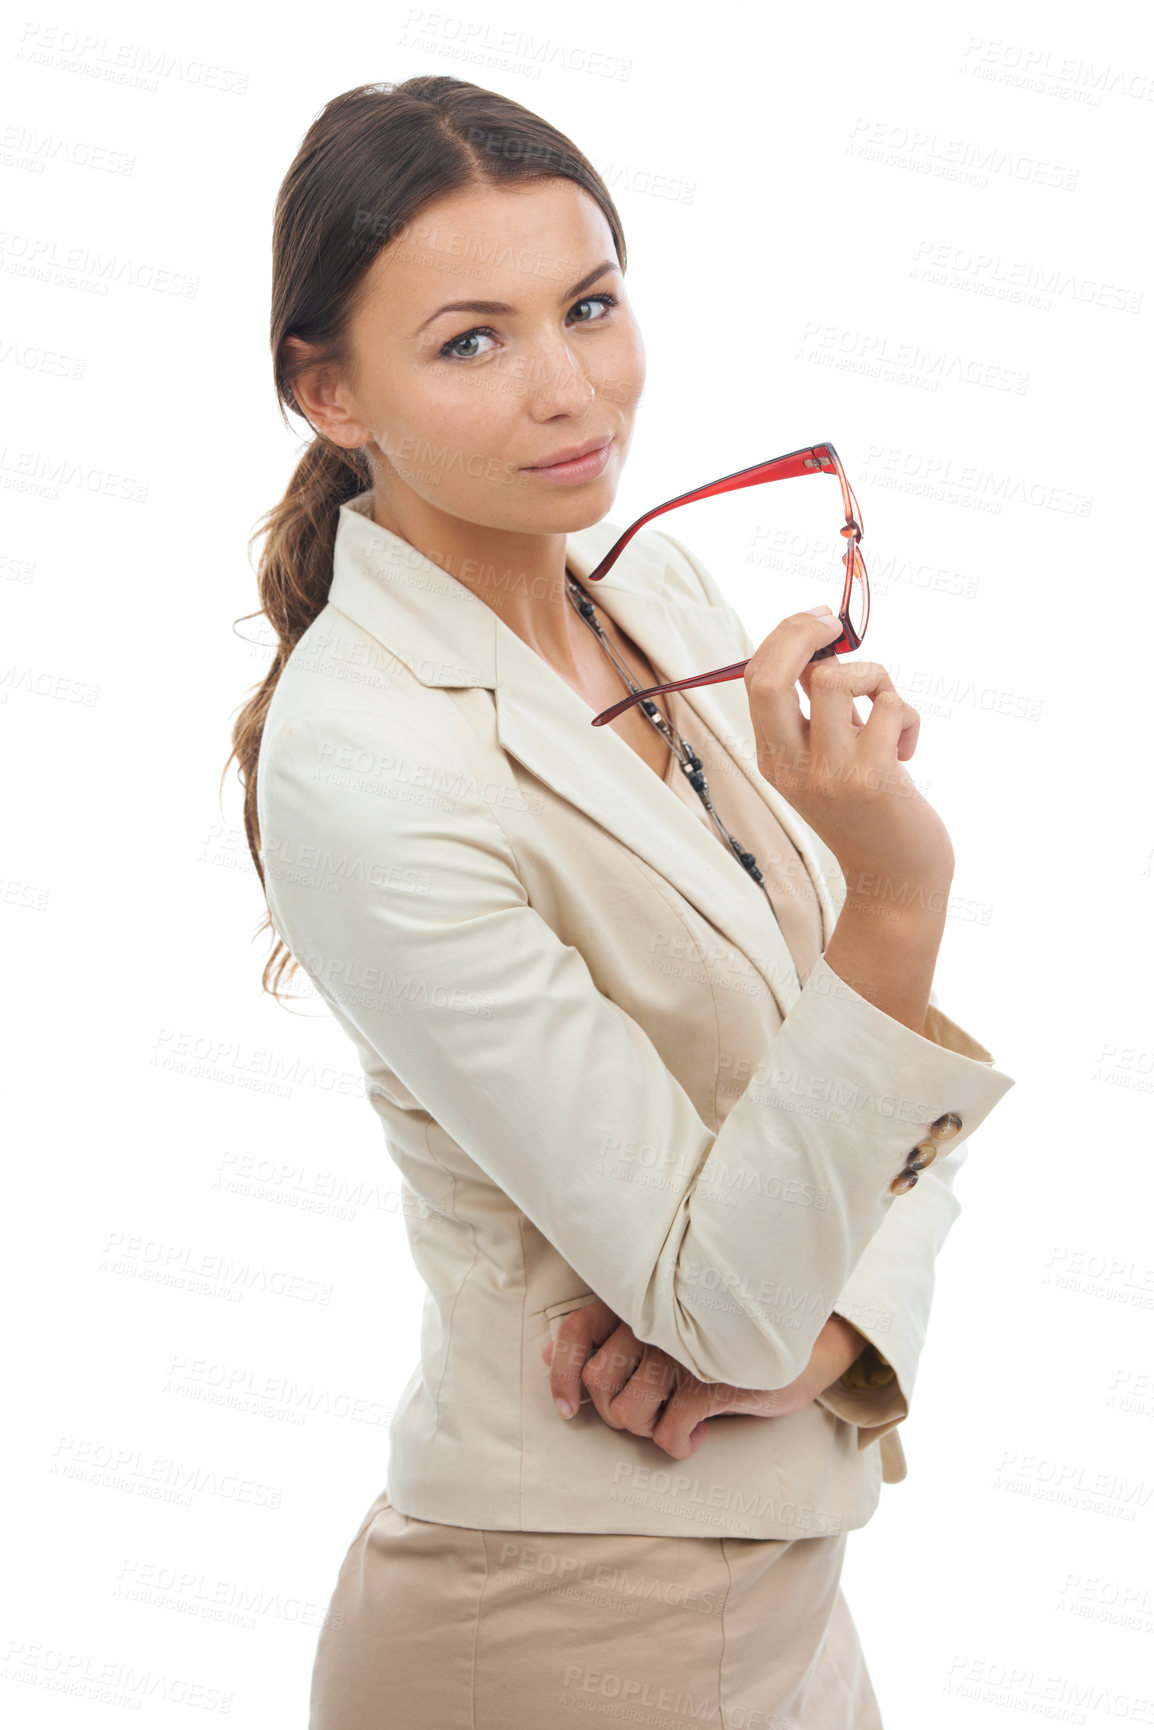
659 1119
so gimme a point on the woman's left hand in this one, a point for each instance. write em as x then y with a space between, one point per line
640 1388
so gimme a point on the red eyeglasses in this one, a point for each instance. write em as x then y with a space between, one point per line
854 611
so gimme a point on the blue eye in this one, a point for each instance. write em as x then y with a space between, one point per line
451 351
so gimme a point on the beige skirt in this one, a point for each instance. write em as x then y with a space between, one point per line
453 1628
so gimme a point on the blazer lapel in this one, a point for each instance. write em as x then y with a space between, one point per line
681 638
448 636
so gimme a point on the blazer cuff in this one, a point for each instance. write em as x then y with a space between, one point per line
869 1395
851 1037
869 1370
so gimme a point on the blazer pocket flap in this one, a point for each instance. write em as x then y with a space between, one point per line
554 1312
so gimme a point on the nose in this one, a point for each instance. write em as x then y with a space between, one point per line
557 384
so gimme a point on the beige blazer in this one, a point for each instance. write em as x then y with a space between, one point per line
595 1066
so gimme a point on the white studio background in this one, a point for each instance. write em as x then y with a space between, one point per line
920 232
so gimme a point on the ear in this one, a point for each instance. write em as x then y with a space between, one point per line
322 393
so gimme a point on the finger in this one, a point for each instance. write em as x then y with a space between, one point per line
681 1428
609 1369
579 1334
771 680
890 731
639 1403
832 690
804 678
892 728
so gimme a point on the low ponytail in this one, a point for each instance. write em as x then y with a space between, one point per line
370 162
293 579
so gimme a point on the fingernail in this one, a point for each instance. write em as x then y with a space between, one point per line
822 609
564 1407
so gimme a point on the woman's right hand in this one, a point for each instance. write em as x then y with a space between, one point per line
843 776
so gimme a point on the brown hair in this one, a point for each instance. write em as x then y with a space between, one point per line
368 164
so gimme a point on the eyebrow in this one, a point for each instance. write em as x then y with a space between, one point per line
498 306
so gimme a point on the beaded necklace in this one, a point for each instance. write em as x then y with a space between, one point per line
688 760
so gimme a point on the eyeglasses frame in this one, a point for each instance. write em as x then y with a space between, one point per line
819 458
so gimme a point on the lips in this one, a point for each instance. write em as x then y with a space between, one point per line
571 453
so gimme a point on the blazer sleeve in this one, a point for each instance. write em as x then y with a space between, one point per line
890 1290
499 1031
888 1297
889 1294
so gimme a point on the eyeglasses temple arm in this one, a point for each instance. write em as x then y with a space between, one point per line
849 639
734 671
811 459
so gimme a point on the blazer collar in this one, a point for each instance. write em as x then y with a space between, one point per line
448 636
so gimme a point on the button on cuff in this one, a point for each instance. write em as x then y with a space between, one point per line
944 1128
922 1155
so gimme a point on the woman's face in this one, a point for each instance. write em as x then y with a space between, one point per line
459 407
